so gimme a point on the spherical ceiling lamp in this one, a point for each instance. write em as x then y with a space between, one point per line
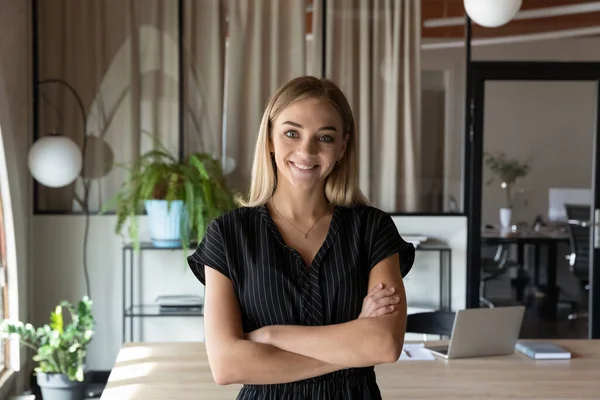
55 160
492 13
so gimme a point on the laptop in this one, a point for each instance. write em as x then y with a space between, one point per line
480 332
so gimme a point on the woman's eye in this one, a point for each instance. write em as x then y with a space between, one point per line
291 134
326 139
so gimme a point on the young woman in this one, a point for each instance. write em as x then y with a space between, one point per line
304 291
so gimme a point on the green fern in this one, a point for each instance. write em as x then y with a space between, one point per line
157 175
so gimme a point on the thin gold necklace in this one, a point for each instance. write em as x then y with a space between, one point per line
305 234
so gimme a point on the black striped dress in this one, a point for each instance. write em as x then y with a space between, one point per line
274 285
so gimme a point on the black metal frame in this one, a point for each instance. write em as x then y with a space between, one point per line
36 83
481 72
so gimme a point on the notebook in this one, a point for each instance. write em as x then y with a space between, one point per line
543 351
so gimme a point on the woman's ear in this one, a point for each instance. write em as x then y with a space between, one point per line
271 147
344 145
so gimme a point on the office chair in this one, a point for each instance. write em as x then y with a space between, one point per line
493 268
579 224
431 323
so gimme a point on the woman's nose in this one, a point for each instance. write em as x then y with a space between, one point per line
308 148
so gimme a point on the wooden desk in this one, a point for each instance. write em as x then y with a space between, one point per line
181 371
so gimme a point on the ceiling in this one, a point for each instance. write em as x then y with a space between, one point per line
436 9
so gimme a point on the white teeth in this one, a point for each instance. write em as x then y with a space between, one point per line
304 166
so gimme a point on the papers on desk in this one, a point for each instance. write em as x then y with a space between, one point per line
415 351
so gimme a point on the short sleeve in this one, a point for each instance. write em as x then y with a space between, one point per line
386 241
210 252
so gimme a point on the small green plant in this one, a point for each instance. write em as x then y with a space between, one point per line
507 170
157 175
59 349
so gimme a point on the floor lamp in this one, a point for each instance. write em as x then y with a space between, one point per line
55 160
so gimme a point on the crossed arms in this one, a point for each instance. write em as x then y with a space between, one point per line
286 353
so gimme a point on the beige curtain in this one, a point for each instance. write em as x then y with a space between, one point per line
121 58
239 53
266 47
373 53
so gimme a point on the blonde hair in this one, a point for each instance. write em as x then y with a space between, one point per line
341 186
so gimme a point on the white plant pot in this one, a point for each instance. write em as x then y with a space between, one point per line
165 222
505 217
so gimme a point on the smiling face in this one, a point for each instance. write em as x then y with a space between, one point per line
308 139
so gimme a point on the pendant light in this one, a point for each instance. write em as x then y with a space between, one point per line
492 13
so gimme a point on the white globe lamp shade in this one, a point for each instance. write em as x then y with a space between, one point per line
55 160
492 13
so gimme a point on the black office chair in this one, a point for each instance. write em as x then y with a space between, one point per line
579 223
493 268
431 323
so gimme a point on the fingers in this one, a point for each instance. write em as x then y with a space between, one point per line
375 288
387 301
384 311
379 301
382 293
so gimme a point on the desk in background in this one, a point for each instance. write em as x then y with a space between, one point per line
181 371
535 239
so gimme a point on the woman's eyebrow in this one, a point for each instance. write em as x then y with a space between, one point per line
328 128
297 125
292 124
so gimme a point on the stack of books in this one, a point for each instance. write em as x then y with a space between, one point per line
179 302
543 351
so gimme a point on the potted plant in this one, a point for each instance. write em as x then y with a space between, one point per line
60 349
180 197
508 171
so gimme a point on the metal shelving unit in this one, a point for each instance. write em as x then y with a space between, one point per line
131 310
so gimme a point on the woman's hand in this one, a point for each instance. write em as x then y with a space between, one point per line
260 335
379 301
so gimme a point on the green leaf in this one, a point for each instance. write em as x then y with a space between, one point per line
79 373
56 320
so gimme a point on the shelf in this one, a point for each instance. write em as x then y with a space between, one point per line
432 247
157 311
150 246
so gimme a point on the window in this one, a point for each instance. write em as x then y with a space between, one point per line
4 348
